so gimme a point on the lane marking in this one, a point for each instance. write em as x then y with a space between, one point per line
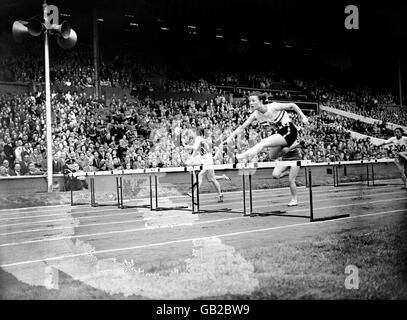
171 216
207 205
313 201
198 239
38 207
114 214
300 189
189 224
344 186
68 210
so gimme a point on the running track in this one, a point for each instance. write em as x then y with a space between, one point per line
151 237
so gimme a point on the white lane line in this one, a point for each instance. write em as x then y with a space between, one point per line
34 208
78 226
71 213
141 219
320 188
189 224
68 210
118 232
342 206
257 196
302 190
68 218
199 239
203 206
257 200
28 211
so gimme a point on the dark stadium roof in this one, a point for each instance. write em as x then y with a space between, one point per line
310 21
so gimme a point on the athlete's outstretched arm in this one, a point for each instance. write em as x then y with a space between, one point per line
240 129
293 107
385 142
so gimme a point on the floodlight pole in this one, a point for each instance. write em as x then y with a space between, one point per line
66 41
48 103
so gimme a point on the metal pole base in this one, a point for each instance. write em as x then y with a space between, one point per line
330 218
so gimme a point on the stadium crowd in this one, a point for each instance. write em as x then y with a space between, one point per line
129 133
98 134
362 101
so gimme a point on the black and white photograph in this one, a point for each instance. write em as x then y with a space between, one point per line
215 152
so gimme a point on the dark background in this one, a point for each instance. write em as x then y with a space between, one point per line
303 35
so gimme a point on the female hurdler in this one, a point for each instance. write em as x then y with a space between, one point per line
201 155
400 148
276 114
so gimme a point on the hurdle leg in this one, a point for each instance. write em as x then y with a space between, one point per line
70 178
197 190
311 205
337 176
118 192
151 195
244 194
121 193
156 191
306 177
372 175
93 192
333 175
367 174
250 195
192 192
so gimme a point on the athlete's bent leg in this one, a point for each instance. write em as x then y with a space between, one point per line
276 140
280 171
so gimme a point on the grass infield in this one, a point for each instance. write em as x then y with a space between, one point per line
295 266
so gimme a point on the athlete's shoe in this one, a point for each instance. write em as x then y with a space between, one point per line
292 203
220 198
225 177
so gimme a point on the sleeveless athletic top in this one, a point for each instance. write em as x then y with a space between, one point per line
400 145
200 145
279 118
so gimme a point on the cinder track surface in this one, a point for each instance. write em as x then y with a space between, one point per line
281 257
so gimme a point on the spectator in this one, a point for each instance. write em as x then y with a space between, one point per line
33 171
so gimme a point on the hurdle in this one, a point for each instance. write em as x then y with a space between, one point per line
152 174
370 174
246 170
195 201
